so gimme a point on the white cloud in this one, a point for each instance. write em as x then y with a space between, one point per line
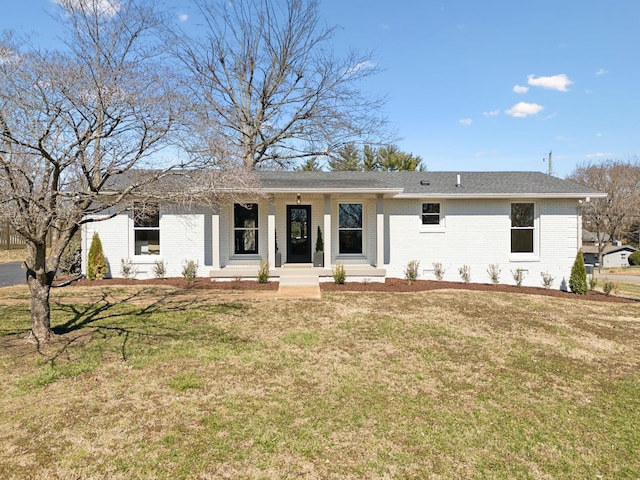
466 122
602 71
183 17
492 113
555 82
520 89
108 8
524 109
599 134
599 155
361 66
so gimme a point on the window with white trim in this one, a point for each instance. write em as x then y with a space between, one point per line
146 230
350 228
430 214
522 227
245 229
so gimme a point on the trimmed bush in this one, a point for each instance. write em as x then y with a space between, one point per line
465 273
634 258
339 275
96 261
547 280
578 279
438 271
159 269
263 272
494 273
411 272
189 270
319 241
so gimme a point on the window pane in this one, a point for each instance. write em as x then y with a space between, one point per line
430 219
246 241
522 241
147 242
350 241
431 208
522 214
245 216
350 215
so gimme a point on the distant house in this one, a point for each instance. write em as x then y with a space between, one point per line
373 223
614 256
590 238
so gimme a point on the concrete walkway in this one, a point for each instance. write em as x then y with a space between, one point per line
298 282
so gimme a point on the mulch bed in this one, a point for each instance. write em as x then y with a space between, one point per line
390 285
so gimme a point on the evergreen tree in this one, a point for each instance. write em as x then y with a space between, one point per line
96 261
347 159
310 165
578 279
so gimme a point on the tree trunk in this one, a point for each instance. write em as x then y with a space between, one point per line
39 280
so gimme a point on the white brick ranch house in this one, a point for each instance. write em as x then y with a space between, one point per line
373 223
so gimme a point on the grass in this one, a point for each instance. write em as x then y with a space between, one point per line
14 255
160 383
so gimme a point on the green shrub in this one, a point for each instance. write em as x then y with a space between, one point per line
411 272
71 258
189 270
634 258
593 282
494 273
339 275
578 278
263 272
159 269
96 262
607 286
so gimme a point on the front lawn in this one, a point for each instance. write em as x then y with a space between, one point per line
152 382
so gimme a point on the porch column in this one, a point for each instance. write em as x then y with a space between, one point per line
215 239
327 231
271 233
379 231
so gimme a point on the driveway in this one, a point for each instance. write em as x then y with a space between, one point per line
619 278
11 274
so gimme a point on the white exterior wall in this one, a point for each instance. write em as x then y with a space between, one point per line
477 233
183 237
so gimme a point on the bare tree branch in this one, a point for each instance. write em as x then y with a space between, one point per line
267 79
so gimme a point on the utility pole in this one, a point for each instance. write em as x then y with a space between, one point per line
550 166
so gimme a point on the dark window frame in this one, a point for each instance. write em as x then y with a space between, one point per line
245 228
146 229
523 228
350 228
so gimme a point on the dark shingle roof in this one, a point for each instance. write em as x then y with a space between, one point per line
426 184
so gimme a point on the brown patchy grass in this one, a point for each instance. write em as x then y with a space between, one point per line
166 383
15 255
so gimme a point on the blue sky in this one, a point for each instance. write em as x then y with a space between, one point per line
486 85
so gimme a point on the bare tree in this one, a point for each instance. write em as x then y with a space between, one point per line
612 217
265 71
82 129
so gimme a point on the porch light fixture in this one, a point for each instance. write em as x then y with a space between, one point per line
298 199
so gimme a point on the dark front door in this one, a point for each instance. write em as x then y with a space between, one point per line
298 234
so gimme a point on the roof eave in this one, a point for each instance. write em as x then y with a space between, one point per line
460 196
